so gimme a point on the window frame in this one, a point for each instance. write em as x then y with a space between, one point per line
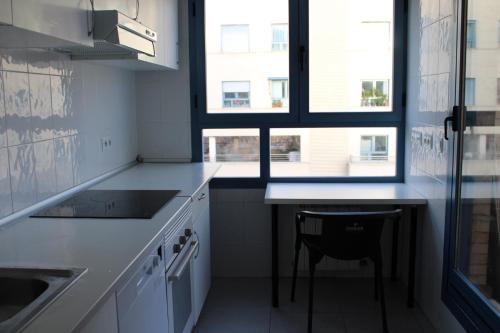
298 85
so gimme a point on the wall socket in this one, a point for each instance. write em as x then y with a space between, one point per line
106 143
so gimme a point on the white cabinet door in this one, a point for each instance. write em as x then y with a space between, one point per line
142 302
67 20
202 263
104 320
5 12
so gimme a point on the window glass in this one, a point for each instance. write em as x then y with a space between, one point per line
246 41
235 38
333 152
350 55
238 151
477 252
470 91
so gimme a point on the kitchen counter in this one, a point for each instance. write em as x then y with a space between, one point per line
110 249
188 178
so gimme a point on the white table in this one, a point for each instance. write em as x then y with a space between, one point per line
346 194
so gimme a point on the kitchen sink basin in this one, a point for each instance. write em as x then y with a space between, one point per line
25 292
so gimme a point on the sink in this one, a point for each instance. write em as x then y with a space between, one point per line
25 292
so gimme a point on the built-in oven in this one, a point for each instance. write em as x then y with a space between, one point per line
180 248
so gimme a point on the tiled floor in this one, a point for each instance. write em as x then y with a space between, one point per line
341 305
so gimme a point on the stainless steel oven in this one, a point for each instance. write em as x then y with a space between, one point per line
180 247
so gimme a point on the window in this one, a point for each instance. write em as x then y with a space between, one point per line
236 94
471 34
235 38
237 150
374 148
279 93
333 152
470 91
279 96
339 61
280 37
375 93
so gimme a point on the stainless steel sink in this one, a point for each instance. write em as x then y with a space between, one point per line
25 292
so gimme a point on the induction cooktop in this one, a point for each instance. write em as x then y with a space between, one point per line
111 204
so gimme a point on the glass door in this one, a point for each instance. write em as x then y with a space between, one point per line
472 278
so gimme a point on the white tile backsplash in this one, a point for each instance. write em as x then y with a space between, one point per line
53 112
432 27
17 107
22 175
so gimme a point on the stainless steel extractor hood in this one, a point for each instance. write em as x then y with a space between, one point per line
117 36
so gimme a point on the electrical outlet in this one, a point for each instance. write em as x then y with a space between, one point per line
106 143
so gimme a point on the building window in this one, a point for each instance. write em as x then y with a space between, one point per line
471 34
375 93
374 147
301 86
279 92
236 94
280 37
235 38
470 91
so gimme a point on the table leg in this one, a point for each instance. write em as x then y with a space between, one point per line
413 253
274 256
394 263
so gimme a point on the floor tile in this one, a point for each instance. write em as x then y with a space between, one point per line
240 294
282 322
233 320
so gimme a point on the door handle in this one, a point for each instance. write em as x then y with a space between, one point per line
453 119
184 263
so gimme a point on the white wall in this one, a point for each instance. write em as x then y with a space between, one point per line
164 106
431 79
53 113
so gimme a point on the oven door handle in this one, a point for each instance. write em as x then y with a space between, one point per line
179 270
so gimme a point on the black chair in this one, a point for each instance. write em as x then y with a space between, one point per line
344 236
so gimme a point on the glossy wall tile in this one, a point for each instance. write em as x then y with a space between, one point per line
431 84
53 112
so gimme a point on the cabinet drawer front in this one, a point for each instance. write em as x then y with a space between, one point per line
201 200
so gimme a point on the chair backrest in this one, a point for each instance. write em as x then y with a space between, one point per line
349 235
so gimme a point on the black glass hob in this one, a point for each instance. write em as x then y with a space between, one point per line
112 204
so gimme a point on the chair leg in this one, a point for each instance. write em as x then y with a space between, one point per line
312 268
382 295
298 244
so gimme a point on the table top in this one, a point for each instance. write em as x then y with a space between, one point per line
343 194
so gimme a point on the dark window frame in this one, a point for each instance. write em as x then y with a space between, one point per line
298 116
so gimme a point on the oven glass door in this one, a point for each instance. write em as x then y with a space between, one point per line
179 291
181 294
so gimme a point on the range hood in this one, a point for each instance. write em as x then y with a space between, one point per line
117 36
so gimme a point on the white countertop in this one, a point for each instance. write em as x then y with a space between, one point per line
186 177
109 249
343 194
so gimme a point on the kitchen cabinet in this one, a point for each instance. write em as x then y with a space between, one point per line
104 320
161 16
5 12
142 302
60 23
202 262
